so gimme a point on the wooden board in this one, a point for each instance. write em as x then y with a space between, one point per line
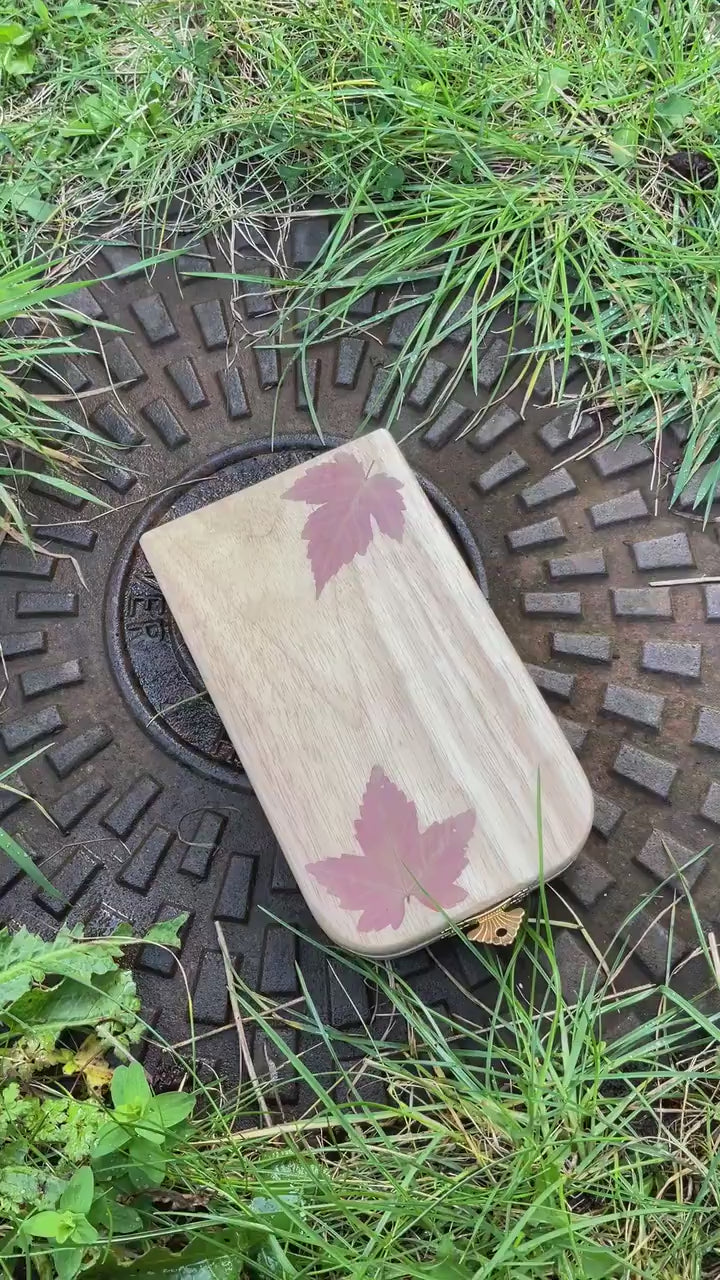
389 729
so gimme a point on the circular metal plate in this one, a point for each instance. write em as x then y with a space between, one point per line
152 818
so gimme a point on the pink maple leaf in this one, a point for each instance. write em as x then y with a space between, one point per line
398 861
348 499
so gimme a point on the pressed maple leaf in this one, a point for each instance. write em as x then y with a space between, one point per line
398 861
350 503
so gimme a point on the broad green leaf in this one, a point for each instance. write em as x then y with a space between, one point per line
150 1132
597 1263
129 1086
390 181
220 1256
275 1209
123 1219
11 31
423 88
134 147
170 1108
48 1224
548 1215
167 932
623 145
76 128
38 210
23 200
674 109
108 998
15 852
291 174
26 958
144 1153
149 1167
273 1261
111 1137
449 1264
66 1226
552 82
145 1177
78 1194
99 1213
445 1271
19 62
102 112
275 1204
461 167
83 1231
76 9
67 1262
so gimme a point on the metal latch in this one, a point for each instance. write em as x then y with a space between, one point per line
498 927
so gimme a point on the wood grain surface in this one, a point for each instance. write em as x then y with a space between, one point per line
387 725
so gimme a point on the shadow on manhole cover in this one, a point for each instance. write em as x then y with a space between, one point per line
155 818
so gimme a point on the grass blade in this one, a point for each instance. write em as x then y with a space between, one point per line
23 861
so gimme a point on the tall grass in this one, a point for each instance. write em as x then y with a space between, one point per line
38 438
563 155
565 1134
568 1137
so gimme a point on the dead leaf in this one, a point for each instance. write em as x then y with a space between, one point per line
89 1062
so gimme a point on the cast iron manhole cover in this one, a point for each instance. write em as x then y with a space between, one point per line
154 818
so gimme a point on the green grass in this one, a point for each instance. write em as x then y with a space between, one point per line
567 1136
37 434
512 153
533 1149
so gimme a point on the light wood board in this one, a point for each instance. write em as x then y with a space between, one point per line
387 725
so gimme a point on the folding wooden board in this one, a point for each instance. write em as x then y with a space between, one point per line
387 725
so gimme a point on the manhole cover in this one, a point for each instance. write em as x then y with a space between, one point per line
153 818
